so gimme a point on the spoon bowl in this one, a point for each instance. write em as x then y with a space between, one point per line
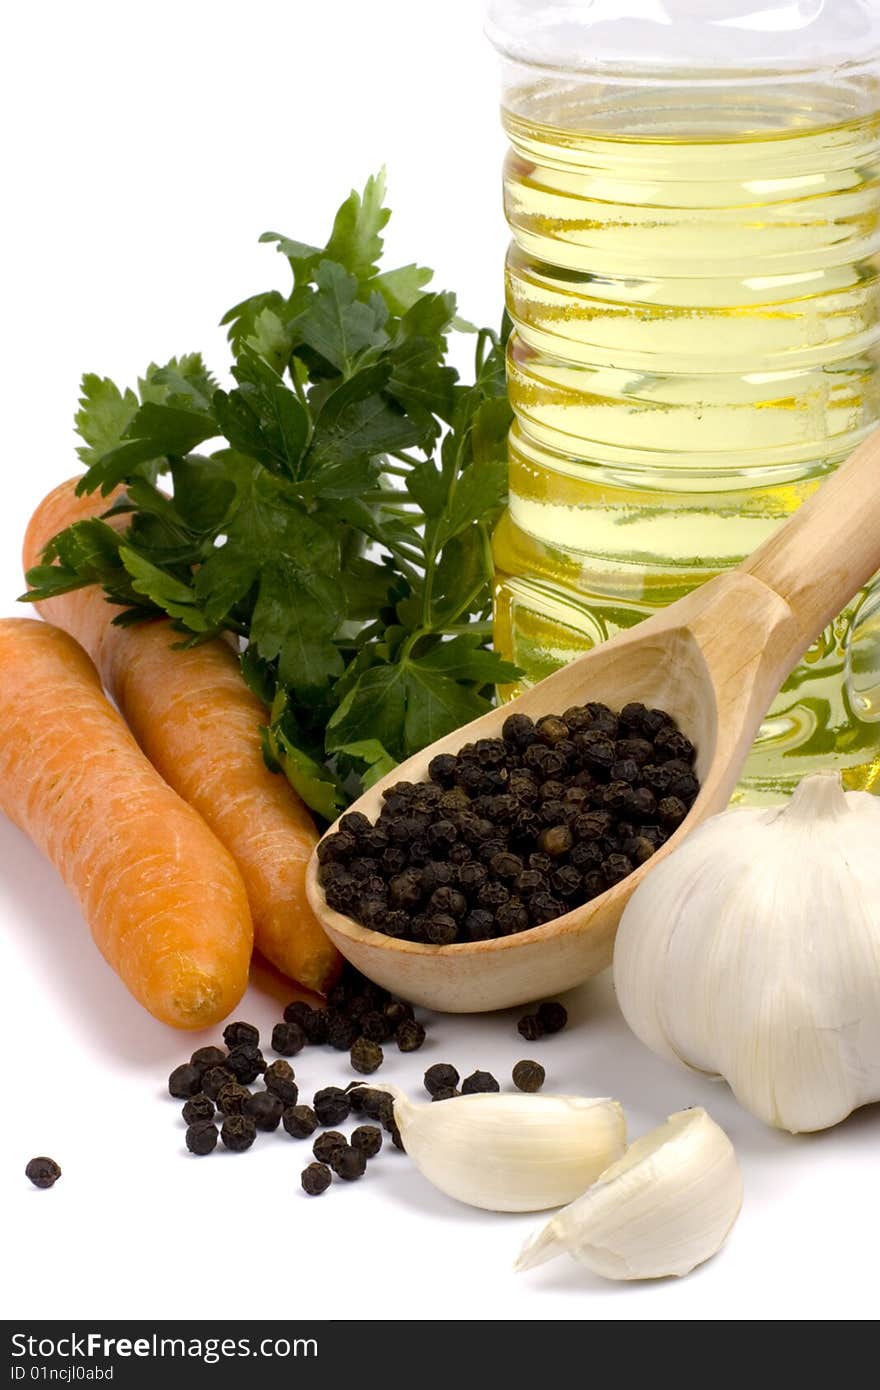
714 661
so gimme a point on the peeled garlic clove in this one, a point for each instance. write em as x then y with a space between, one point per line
665 1207
510 1152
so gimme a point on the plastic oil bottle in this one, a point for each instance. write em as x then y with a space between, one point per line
693 189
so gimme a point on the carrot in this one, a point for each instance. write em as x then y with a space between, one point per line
164 900
199 725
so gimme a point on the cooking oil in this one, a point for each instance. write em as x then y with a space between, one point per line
695 291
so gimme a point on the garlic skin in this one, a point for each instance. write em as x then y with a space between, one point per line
753 952
510 1152
667 1206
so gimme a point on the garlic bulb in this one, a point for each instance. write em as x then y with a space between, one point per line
664 1208
510 1152
753 952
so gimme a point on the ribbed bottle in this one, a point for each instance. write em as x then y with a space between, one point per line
694 282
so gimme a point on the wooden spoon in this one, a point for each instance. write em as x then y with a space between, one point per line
716 661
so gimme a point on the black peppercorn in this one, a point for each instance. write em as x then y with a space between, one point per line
376 1026
441 769
518 730
566 882
326 1145
492 895
316 1179
367 1139
441 930
543 907
616 868
410 1035
241 1035
478 925
246 1062
405 889
396 1010
530 1027
214 1079
201 1137
671 811
366 1056
479 1082
511 917
379 1105
232 1097
348 1163
265 1109
199 1107
553 1016
440 1076
528 1076
206 1057
280 1081
556 841
639 849
238 1132
288 1039
300 1121
331 1105
44 1172
313 1022
341 1031
185 1081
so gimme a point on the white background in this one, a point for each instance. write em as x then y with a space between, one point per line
145 147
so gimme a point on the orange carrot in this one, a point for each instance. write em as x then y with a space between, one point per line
164 900
199 725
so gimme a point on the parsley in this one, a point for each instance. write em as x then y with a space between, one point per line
332 508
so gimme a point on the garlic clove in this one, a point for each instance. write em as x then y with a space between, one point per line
510 1152
665 1207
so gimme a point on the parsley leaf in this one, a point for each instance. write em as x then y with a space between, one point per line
330 507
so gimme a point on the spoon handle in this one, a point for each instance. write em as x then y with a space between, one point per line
820 558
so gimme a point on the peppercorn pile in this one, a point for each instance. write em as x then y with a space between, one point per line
513 832
214 1084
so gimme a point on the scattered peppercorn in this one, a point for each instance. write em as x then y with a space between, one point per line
552 1017
280 1081
366 1056
348 1163
300 1121
201 1137
288 1039
214 1079
238 1132
265 1109
478 1082
440 1077
316 1179
331 1105
410 1035
297 1012
185 1081
241 1035
206 1057
530 1027
326 1145
528 1076
199 1107
246 1062
232 1097
367 1139
43 1172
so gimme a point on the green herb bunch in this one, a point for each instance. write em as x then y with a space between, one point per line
338 524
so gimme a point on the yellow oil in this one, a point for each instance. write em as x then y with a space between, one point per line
696 300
